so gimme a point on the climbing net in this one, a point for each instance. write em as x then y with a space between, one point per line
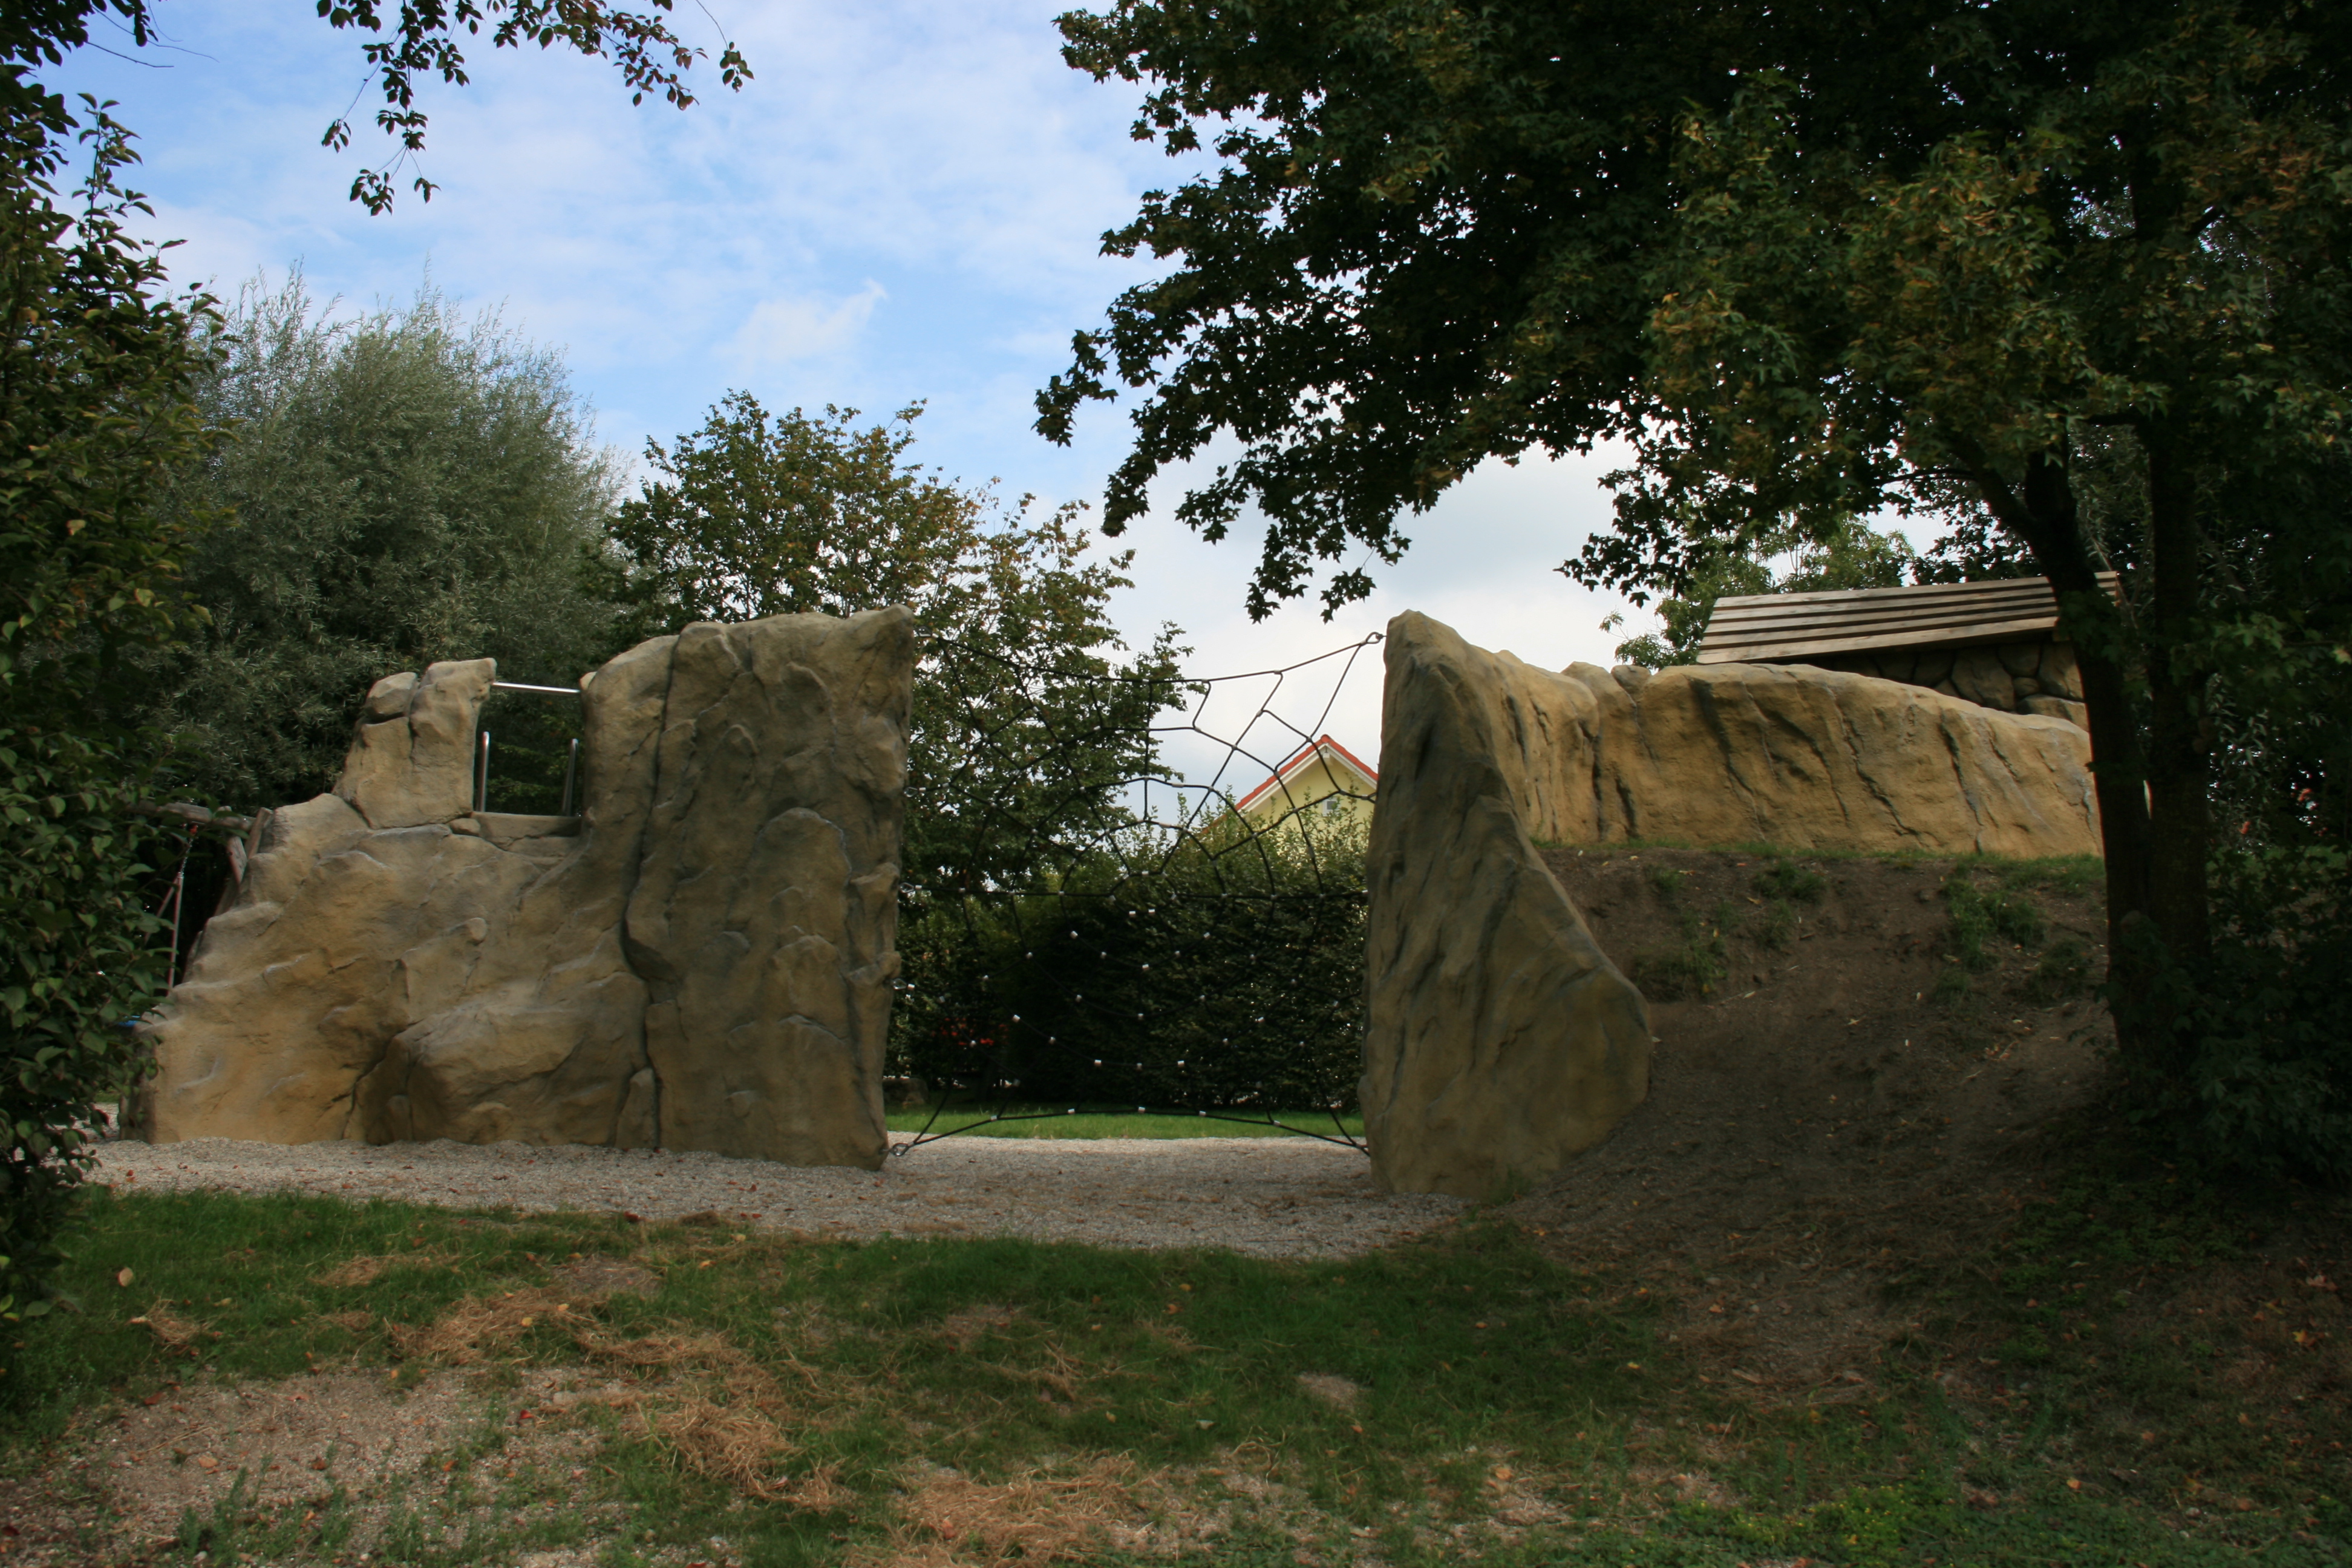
1087 928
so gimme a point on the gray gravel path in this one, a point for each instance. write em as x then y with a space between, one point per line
1272 1196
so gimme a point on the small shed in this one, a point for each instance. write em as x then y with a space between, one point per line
1322 777
1996 644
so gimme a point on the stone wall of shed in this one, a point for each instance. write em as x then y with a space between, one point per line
2031 677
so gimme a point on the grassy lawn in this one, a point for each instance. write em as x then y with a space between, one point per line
701 1395
1026 1121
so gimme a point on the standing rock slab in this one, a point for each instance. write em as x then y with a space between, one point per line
1501 1041
412 759
765 912
701 959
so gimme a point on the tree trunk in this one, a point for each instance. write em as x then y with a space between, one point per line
2041 514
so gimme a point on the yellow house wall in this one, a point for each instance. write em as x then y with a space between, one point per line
1322 777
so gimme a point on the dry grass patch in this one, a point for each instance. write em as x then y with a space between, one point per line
352 1272
172 1331
736 1444
698 1399
966 1329
949 1518
461 1335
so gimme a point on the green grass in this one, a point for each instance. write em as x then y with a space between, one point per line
1784 879
1034 1120
1484 1367
2067 873
1695 967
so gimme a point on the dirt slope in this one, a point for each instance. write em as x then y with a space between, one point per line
1855 1061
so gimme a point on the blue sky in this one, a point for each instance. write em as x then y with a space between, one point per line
906 204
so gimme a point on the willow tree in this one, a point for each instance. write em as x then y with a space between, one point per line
1810 263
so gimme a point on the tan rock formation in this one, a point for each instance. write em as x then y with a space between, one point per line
412 758
1500 1041
771 950
1785 755
701 959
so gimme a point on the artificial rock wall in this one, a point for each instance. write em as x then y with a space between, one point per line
1501 1042
701 959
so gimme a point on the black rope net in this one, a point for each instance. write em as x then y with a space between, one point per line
1085 928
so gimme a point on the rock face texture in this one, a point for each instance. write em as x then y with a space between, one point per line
701 959
1785 755
1501 1041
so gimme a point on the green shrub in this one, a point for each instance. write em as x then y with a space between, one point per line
1226 969
2064 970
1692 969
95 407
79 954
1668 881
1786 879
1979 912
1775 926
2252 1066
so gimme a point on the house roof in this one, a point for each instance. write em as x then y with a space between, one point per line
1298 761
1765 628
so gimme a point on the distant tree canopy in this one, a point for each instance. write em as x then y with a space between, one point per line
1781 561
761 514
402 486
2013 260
421 41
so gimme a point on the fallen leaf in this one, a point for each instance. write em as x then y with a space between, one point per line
122 1277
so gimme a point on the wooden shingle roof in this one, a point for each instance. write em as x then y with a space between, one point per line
1770 628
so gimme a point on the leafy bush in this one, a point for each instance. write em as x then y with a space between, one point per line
1220 970
78 952
95 371
2253 1065
405 486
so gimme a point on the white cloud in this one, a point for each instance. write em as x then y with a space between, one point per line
778 332
939 159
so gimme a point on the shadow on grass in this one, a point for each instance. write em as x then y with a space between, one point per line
758 1398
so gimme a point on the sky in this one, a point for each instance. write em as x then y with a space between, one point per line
905 204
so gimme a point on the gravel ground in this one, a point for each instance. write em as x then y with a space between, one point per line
1272 1196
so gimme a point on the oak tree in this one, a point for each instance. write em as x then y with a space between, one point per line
1811 263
